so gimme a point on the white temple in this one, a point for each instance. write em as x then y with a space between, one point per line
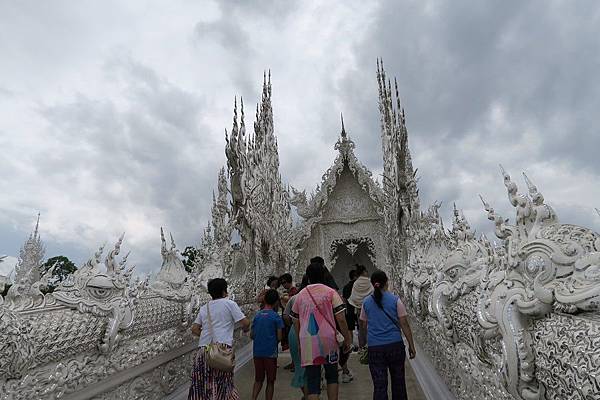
514 320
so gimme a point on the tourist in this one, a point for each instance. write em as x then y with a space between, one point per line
315 311
385 318
361 289
329 279
351 322
272 283
299 378
289 290
214 324
266 334
346 293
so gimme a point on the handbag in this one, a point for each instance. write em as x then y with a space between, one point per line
363 355
338 335
219 356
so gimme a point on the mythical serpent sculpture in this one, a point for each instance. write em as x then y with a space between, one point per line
299 200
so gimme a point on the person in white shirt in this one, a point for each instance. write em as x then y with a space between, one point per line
209 383
361 289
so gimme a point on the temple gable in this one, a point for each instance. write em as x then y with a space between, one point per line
348 201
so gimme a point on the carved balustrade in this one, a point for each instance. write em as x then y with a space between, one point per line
103 335
516 320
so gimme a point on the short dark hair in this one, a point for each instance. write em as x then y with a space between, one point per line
285 278
317 260
217 287
352 274
360 269
271 279
315 273
271 297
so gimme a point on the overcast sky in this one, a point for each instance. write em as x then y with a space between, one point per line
112 113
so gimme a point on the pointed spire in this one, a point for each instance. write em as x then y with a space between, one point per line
486 205
173 246
343 129
532 188
37 226
398 105
503 171
242 125
234 130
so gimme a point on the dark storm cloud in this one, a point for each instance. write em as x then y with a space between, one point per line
486 83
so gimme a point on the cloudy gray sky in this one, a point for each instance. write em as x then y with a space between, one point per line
112 114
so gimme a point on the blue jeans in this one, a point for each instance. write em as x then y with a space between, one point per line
381 359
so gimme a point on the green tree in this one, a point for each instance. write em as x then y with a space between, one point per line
5 292
64 267
190 257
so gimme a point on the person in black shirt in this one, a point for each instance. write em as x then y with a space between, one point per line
346 292
350 320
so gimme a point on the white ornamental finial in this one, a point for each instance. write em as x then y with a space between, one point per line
110 262
37 226
173 246
532 188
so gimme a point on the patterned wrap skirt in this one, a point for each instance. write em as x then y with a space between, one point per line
210 384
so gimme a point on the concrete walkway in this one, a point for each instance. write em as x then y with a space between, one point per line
360 388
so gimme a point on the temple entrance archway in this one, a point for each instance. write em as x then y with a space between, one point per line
345 253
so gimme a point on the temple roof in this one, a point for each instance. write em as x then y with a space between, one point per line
312 209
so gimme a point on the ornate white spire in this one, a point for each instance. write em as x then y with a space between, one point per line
260 203
27 270
399 178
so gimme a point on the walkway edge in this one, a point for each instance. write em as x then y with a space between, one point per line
242 357
432 384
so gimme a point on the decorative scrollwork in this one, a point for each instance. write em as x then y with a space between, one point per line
351 243
109 293
16 344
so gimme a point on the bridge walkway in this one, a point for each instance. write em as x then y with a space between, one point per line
361 388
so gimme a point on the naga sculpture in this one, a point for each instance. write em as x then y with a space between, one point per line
102 293
304 208
550 267
172 281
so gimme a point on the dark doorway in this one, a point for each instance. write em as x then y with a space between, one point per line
345 260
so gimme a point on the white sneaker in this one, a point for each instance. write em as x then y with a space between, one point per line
347 377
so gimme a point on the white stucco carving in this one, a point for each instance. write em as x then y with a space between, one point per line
103 293
172 281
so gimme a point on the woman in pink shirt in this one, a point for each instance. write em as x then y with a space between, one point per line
315 311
